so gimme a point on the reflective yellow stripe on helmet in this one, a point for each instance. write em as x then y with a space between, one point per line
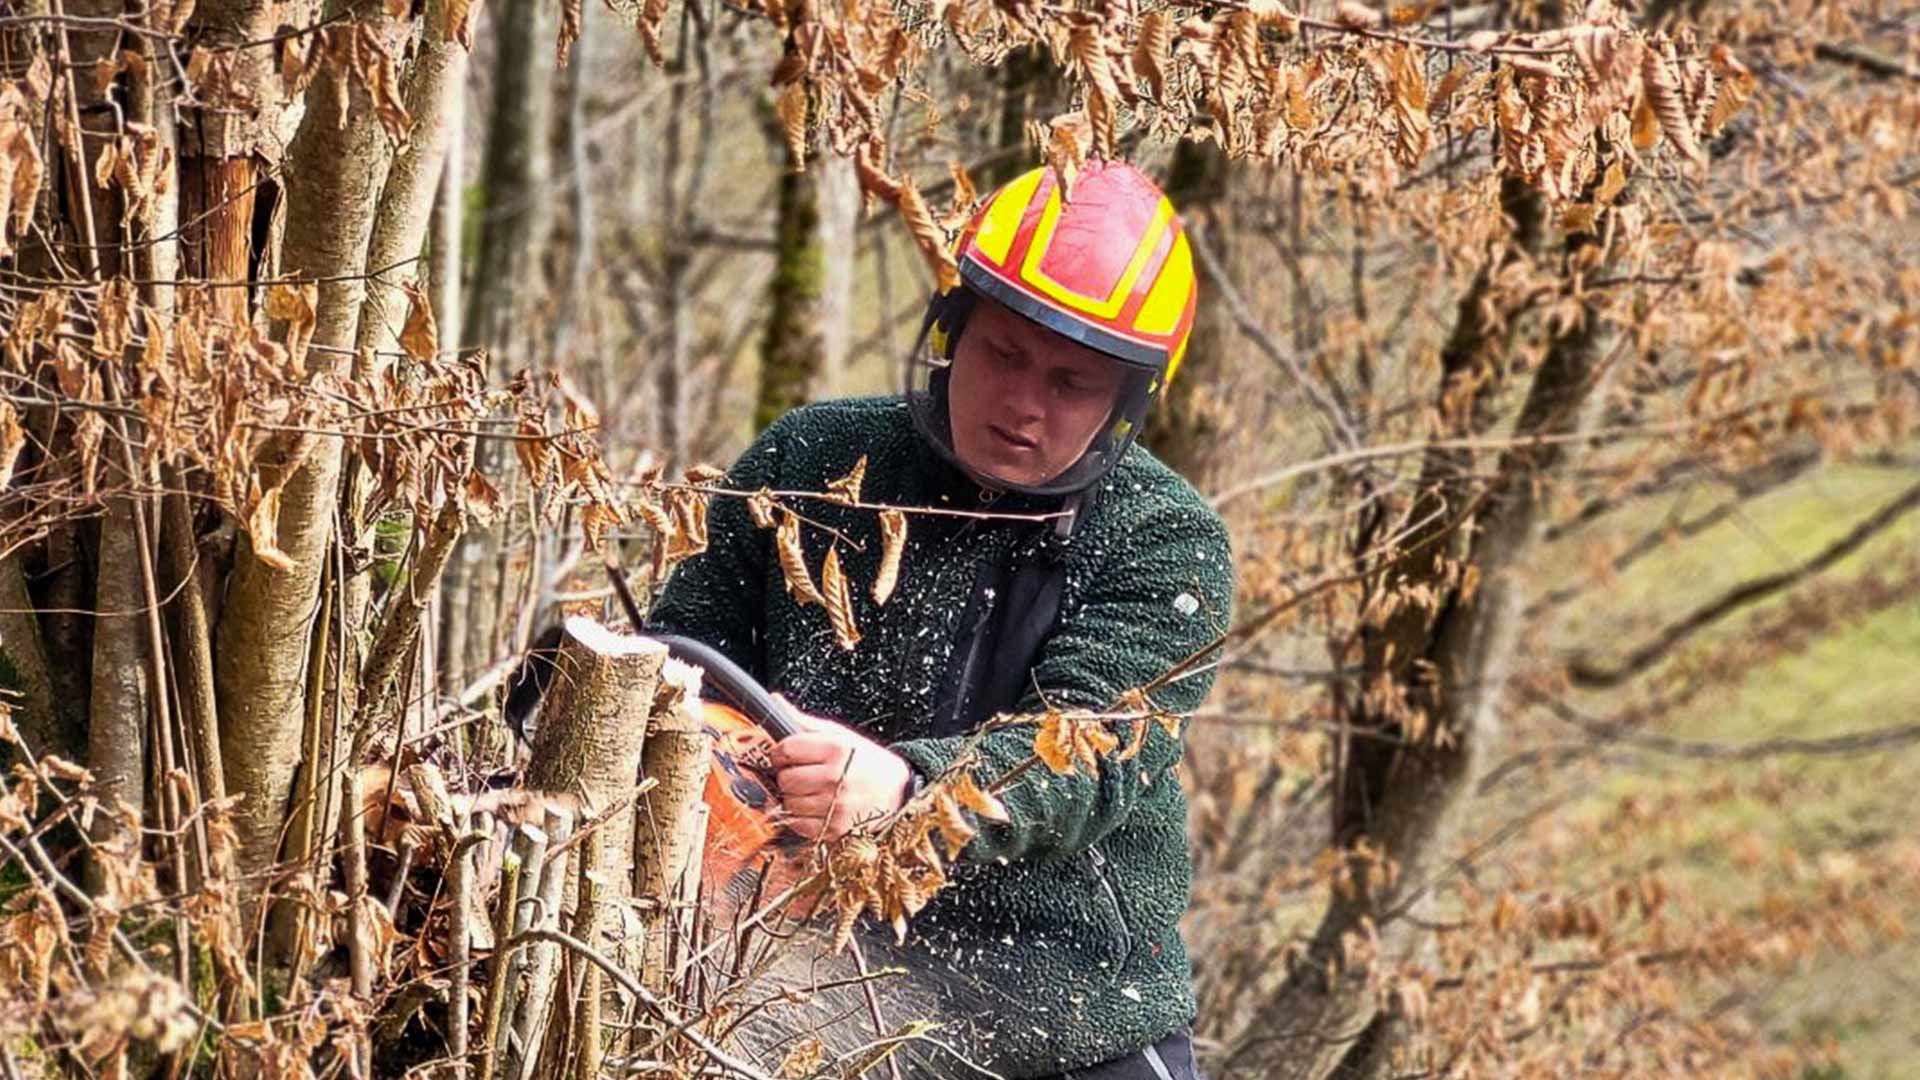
1001 222
1031 273
1160 312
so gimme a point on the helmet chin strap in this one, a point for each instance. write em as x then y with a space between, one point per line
1069 516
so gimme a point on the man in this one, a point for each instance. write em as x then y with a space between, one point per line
1024 395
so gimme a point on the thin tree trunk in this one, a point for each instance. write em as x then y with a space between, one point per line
335 172
192 647
23 669
116 733
399 230
573 308
500 314
839 194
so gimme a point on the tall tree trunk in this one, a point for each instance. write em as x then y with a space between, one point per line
117 711
791 353
1183 430
573 313
515 221
1449 665
839 194
336 168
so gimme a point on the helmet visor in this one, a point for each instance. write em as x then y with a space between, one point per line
1017 406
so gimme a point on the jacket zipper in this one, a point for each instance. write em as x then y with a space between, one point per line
963 692
1099 862
982 609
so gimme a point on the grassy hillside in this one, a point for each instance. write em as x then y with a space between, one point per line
1788 811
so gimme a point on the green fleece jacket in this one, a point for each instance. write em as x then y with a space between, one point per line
1068 914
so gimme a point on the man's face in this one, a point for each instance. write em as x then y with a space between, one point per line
1024 401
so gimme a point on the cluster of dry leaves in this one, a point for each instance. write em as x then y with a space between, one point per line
1365 94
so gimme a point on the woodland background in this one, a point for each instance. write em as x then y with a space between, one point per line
1556 372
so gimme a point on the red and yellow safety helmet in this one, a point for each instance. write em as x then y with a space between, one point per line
1111 268
1108 267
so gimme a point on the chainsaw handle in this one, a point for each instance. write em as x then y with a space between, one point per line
730 682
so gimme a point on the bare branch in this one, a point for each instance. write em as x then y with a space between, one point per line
1590 676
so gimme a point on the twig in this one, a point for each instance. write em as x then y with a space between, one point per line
1870 62
460 928
827 496
510 870
530 1019
681 1027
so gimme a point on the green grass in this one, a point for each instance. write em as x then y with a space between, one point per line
1863 676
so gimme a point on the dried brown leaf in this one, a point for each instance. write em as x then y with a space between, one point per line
790 107
977 799
928 236
953 826
804 1059
793 561
1087 47
760 507
1662 85
263 527
21 166
1151 51
1068 137
569 31
1053 744
1646 123
419 337
1275 15
893 542
689 509
1355 15
480 499
846 490
1736 86
13 438
964 196
874 181
457 22
294 304
837 598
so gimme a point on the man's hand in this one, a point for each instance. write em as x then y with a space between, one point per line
832 778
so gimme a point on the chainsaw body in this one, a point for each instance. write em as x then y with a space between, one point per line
747 855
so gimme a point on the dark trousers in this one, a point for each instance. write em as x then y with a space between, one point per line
1169 1059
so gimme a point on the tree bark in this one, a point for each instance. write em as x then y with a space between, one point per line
500 316
666 832
792 352
1450 665
335 171
221 154
1182 430
117 709
406 202
23 669
594 722
839 194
